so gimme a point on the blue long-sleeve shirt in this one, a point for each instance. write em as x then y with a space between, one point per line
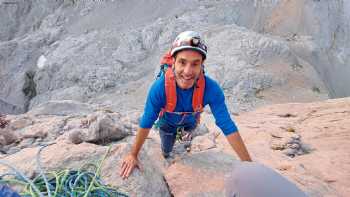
213 95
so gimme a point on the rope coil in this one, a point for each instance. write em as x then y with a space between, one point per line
85 182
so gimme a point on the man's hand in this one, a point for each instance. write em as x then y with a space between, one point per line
128 165
131 161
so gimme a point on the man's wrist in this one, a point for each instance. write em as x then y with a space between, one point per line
247 159
134 153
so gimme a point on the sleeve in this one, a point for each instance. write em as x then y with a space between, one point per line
154 102
219 109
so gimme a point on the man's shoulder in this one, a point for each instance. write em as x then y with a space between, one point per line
211 83
213 92
159 80
158 85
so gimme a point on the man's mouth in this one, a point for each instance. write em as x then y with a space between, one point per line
187 79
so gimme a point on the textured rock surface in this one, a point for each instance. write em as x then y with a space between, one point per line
83 68
312 138
199 174
63 51
323 130
67 155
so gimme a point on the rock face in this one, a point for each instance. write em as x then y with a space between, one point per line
26 32
316 31
70 156
199 174
319 129
70 51
39 127
322 129
78 72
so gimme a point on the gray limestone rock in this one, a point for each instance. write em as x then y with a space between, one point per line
72 52
62 108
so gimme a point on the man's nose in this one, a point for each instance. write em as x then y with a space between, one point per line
188 69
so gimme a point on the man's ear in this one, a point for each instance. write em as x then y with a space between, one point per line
173 60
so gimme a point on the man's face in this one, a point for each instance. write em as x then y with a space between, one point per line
187 66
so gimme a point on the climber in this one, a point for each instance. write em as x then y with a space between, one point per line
177 98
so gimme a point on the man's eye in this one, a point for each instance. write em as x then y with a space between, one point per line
196 65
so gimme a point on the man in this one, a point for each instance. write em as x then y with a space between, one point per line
178 97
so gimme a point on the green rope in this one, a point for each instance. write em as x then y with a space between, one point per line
97 173
84 182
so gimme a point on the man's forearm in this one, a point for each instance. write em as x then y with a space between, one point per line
237 144
141 136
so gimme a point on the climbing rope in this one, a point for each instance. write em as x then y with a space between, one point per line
85 182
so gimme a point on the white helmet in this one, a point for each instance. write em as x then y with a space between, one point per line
189 40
